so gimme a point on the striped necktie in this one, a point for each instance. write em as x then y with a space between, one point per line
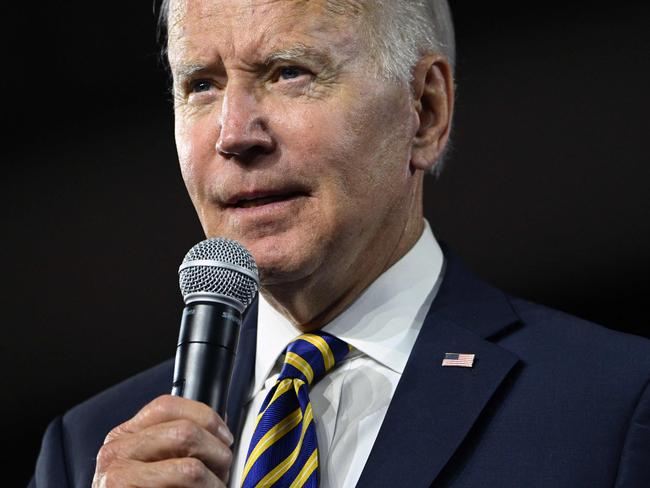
284 451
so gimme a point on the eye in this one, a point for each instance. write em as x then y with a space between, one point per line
200 86
290 72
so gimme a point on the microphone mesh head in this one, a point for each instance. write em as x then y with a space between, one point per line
220 267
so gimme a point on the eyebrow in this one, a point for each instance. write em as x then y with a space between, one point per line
189 70
295 53
299 52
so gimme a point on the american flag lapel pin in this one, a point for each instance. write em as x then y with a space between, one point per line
458 360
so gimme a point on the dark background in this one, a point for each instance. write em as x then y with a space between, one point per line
545 193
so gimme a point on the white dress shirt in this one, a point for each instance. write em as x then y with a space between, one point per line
350 402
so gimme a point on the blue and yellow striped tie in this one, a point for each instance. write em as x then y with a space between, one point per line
283 451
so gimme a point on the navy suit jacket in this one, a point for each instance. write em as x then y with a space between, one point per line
552 401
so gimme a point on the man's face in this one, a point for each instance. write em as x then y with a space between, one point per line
288 142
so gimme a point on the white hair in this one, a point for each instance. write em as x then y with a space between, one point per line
405 30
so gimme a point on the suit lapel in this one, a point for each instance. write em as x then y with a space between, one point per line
434 407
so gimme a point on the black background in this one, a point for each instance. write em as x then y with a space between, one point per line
545 193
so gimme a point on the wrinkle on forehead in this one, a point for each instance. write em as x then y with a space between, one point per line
261 24
349 8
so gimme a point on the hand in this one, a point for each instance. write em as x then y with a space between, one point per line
172 441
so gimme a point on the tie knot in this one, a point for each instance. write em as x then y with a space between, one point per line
310 356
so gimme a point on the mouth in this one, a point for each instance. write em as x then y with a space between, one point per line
260 199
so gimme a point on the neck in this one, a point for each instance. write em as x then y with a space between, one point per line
314 301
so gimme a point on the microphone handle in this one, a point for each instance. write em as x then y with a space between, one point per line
205 354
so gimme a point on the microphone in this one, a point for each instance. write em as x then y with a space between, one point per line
218 280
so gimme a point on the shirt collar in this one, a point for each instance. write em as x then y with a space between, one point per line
382 323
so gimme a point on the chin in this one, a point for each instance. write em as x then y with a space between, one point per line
275 270
284 256
282 264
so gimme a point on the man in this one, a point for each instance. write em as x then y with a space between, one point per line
304 129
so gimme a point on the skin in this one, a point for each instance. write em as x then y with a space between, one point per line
277 102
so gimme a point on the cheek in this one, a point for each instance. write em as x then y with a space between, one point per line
324 151
195 144
373 138
376 138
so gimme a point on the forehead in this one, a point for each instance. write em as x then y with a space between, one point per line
213 7
241 27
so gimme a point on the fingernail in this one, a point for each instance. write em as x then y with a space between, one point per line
225 434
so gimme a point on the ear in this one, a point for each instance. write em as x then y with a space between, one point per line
433 99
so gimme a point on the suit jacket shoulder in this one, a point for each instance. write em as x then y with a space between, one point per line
72 441
551 335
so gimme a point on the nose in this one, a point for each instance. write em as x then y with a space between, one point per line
243 131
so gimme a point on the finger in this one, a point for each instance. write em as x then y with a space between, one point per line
175 439
177 473
166 408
